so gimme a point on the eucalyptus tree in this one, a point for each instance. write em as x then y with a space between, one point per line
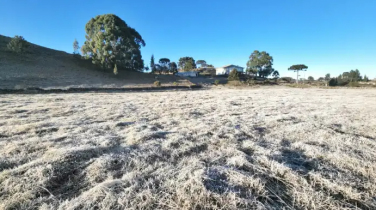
110 41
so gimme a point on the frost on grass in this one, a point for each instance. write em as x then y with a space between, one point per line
217 149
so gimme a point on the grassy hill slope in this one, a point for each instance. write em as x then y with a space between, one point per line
48 68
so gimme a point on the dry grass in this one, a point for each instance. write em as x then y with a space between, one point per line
217 149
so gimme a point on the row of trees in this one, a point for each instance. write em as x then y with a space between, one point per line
165 65
348 78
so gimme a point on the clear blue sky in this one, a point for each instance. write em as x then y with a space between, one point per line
327 35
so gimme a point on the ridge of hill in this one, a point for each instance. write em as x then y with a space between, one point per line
48 68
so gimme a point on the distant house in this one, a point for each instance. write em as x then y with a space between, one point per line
187 74
225 70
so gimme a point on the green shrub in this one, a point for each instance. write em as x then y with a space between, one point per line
251 82
234 83
175 83
333 82
354 84
216 82
157 83
18 44
286 79
234 75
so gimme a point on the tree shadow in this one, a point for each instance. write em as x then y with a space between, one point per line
296 160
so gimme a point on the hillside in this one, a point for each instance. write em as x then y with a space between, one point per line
48 68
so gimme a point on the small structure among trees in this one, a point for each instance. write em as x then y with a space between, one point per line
225 70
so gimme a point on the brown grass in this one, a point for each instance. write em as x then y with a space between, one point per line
216 149
47 68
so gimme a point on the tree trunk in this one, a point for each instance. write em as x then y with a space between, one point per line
297 77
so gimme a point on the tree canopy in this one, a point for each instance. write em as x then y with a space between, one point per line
275 74
110 41
298 67
234 75
327 77
173 67
260 63
187 63
76 47
311 79
202 63
152 64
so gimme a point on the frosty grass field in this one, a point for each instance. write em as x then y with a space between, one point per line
272 148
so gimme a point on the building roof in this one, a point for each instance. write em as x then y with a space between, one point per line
231 65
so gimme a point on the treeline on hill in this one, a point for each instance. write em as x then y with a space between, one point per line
165 66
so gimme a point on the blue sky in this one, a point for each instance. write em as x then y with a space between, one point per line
330 36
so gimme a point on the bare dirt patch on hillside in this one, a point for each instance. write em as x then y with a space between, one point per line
215 149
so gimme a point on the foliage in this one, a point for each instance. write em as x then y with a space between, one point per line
234 83
287 79
260 63
173 68
365 78
311 79
333 82
187 63
327 77
158 68
76 47
157 83
275 74
210 66
251 82
175 83
152 64
216 82
165 64
202 63
321 79
234 75
110 41
354 84
349 78
18 44
298 67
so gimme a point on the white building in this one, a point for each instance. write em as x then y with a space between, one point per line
187 74
225 70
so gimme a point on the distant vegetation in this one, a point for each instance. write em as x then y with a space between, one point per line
260 63
351 79
187 63
157 83
234 75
